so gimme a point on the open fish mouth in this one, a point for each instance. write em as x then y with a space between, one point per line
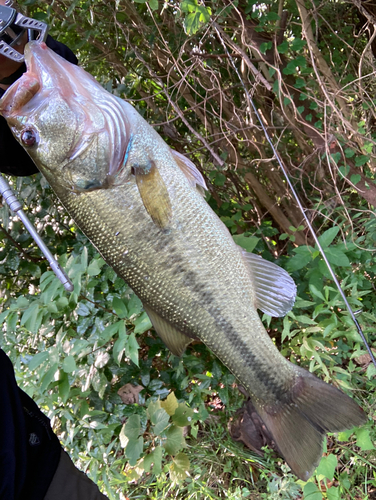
23 89
19 94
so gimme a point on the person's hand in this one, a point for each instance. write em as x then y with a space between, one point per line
8 66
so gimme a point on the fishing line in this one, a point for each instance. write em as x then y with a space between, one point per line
277 157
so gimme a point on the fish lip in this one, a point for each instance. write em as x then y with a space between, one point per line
23 89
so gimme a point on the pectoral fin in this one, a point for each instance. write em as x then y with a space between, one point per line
174 340
153 193
275 289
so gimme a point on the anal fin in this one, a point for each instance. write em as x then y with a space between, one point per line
173 338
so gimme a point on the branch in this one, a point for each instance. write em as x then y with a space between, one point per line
19 248
246 59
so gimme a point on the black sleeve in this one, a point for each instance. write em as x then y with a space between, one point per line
13 158
29 450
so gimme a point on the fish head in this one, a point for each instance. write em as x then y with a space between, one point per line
70 126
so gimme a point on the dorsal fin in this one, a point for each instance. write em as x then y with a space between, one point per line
173 338
190 170
274 287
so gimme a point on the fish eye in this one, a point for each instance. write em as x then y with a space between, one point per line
29 137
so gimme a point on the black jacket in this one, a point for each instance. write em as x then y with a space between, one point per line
13 158
29 450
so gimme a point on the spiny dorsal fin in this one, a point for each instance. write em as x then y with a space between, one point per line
275 289
153 193
173 338
191 172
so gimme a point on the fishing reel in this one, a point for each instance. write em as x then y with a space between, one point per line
13 26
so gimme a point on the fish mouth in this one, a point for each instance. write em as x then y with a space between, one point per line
23 89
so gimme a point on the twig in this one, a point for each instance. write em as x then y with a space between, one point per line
18 246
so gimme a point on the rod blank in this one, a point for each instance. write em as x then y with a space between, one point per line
16 207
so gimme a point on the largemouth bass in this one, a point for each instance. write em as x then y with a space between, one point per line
139 202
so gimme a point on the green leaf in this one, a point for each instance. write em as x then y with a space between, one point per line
129 439
272 16
160 419
349 153
134 449
37 360
64 386
306 320
298 44
95 267
327 466
283 47
153 4
119 346
328 236
174 440
134 306
153 407
170 403
132 348
311 492
198 14
247 242
119 307
219 179
363 439
301 259
69 364
337 257
368 147
344 170
345 435
361 160
30 318
316 292
132 427
110 330
83 309
155 457
371 371
333 493
290 68
355 178
48 377
183 415
265 46
179 468
142 323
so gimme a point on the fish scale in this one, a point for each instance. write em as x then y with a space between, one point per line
136 200
165 291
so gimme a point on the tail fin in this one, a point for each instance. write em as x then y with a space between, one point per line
300 420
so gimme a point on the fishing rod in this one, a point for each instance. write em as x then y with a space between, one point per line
16 207
280 163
